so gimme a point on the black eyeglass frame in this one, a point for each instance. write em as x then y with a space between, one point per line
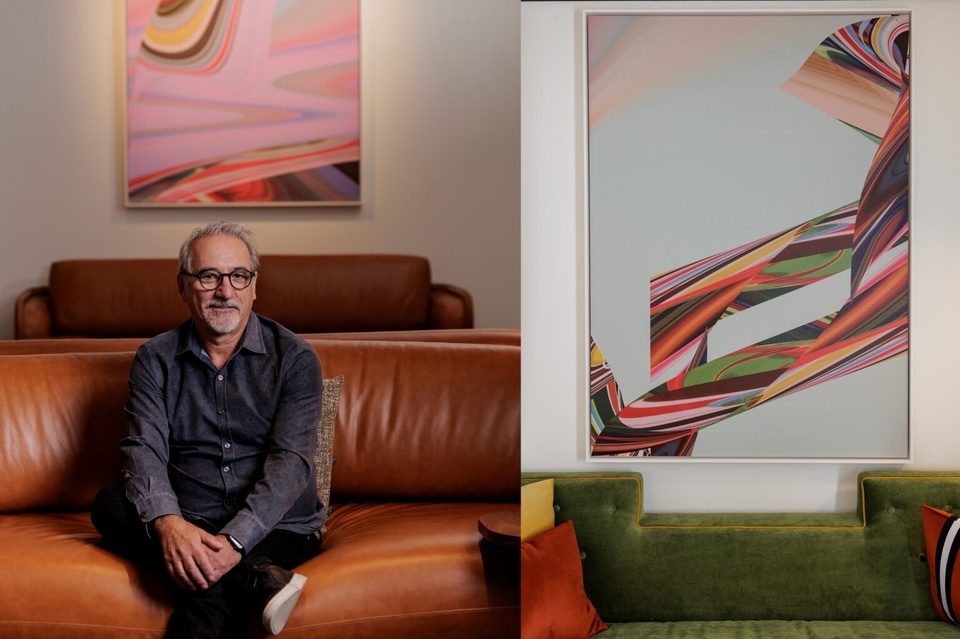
199 277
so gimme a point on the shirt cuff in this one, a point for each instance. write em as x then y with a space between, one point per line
246 529
156 506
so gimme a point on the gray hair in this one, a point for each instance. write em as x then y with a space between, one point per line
232 229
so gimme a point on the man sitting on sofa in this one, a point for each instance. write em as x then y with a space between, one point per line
218 478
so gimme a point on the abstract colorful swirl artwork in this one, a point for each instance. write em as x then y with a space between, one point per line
748 235
242 102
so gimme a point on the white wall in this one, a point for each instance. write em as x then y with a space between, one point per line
440 150
552 309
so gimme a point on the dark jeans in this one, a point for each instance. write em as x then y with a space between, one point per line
222 610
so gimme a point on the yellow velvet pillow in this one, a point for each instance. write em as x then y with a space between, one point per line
536 509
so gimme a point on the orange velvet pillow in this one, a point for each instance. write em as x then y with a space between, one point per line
553 604
941 533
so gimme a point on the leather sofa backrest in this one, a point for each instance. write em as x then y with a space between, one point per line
416 421
502 336
305 293
61 421
114 298
329 293
425 420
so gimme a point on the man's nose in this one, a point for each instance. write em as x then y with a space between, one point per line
225 289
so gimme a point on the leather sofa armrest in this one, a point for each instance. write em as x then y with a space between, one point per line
33 318
450 307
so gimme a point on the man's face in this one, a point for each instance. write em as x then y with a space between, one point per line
223 310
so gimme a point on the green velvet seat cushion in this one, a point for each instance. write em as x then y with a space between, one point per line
868 564
782 630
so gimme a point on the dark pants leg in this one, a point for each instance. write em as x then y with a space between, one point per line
285 549
118 522
223 609
205 614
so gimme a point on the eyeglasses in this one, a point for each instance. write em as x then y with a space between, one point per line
211 279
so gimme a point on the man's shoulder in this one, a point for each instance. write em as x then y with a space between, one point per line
157 357
167 343
292 353
282 338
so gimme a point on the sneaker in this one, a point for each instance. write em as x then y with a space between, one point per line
283 589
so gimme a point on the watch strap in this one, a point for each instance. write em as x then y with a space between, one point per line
236 544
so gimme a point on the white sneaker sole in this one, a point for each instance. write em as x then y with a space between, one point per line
278 609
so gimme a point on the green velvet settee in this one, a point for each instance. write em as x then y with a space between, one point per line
805 575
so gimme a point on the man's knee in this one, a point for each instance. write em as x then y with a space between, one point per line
116 519
109 510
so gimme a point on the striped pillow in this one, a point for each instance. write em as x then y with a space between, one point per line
941 533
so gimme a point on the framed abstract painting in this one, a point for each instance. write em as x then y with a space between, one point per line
747 234
242 103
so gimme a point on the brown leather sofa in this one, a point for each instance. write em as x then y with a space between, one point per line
427 442
110 298
501 336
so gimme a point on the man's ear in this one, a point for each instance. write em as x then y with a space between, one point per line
182 287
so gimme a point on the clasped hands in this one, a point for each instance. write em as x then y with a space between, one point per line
194 558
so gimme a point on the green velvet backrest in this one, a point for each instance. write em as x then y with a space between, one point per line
867 564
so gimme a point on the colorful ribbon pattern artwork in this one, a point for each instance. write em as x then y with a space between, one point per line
869 238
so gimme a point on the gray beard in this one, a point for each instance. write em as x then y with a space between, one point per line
221 325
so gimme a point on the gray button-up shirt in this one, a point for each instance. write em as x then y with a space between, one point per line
233 447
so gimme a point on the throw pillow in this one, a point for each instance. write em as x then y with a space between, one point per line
553 604
941 533
536 509
323 459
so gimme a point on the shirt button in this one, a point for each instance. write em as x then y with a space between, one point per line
220 411
226 469
227 445
220 378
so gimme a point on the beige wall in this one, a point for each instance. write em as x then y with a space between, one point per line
440 150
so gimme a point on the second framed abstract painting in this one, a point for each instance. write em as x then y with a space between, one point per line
747 234
242 103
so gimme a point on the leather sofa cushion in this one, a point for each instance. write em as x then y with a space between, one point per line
305 293
408 569
386 570
52 561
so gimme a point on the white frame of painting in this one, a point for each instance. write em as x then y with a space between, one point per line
584 223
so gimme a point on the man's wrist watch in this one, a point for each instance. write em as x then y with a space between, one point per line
236 544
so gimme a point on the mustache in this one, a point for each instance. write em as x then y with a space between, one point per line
221 304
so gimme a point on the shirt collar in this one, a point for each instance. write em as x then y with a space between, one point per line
252 338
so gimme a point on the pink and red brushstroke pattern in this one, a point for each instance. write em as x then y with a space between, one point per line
243 101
